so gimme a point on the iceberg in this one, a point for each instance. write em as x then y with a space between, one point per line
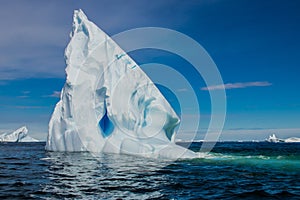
292 140
273 138
19 135
108 104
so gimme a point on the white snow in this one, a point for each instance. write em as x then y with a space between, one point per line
108 104
19 135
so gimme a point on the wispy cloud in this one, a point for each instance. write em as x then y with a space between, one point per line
229 86
30 107
55 94
31 49
23 96
182 90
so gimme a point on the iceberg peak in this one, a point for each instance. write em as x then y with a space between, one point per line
108 104
79 20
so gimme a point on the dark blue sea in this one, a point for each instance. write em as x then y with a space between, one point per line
254 170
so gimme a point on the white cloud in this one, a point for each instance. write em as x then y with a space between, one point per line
25 94
55 94
228 86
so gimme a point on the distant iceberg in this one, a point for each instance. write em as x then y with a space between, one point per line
19 135
108 104
292 139
273 138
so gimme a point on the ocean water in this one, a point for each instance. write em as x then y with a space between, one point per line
231 171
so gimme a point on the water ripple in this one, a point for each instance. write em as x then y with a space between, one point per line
28 172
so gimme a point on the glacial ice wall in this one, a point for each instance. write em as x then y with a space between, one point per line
108 104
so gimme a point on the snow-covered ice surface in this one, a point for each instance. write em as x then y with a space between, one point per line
19 135
108 104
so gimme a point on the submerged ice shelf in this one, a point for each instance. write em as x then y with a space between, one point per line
108 104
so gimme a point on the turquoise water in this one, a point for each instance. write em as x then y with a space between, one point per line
231 171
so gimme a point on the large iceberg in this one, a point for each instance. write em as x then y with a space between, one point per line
108 104
19 135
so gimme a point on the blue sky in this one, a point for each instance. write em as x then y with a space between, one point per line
255 45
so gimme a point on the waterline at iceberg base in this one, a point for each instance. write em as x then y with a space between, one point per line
108 104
